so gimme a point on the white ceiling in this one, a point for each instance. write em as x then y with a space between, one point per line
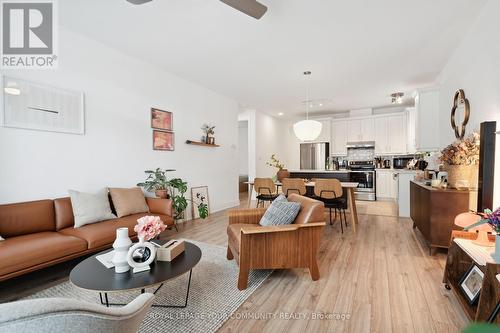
359 51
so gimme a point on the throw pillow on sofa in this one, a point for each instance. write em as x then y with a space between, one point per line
280 212
90 208
128 201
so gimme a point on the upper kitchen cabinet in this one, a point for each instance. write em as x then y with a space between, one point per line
410 131
397 134
339 138
381 137
325 135
361 130
390 136
427 119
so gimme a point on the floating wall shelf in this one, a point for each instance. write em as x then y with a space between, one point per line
198 143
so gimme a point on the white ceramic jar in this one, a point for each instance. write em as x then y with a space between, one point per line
121 245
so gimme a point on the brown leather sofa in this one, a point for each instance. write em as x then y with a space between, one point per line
275 247
41 233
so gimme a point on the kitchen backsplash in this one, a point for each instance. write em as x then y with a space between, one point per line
360 154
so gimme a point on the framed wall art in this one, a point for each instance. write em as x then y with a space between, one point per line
199 195
472 283
162 120
35 106
163 140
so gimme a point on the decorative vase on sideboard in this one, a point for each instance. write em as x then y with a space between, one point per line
121 245
282 174
468 173
496 254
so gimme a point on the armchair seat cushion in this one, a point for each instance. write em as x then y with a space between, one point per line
20 252
104 233
234 233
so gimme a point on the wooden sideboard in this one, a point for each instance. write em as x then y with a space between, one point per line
457 264
433 212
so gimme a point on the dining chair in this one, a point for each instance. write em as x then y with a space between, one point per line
330 192
293 185
266 190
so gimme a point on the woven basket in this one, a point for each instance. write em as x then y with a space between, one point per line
467 173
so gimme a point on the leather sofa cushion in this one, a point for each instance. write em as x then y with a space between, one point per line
127 201
64 213
104 233
17 253
26 218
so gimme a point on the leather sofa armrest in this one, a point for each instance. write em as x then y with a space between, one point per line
248 216
160 206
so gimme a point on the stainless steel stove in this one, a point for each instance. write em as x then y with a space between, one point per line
363 172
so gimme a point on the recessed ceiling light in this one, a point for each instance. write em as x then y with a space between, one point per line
12 91
280 113
320 104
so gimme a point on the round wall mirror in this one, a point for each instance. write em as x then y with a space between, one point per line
460 114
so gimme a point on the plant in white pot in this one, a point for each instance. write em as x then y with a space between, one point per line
461 161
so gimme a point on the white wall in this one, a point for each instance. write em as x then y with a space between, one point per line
117 146
475 68
243 147
269 140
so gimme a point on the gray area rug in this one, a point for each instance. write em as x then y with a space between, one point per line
213 297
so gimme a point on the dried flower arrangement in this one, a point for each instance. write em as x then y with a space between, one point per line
462 152
274 162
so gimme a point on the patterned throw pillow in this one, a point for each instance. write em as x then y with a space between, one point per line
280 212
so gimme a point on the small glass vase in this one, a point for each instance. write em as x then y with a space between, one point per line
496 254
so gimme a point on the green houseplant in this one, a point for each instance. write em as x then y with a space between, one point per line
174 189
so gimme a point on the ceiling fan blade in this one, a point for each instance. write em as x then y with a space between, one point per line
138 2
249 7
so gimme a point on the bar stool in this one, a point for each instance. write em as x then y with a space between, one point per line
330 192
293 185
266 190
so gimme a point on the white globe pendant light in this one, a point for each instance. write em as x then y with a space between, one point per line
307 130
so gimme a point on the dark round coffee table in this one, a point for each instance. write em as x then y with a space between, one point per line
90 274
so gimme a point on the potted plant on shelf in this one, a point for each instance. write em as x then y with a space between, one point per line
174 189
209 134
461 161
157 182
282 172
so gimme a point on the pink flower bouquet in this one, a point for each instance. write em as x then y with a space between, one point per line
149 227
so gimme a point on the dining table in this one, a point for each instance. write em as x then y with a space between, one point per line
348 186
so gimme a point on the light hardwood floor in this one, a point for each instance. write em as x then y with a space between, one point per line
382 277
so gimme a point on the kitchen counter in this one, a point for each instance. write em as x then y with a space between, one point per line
319 171
396 170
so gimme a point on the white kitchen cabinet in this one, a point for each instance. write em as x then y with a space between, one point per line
411 145
367 129
397 134
326 133
386 185
339 138
427 119
360 130
354 130
390 135
381 137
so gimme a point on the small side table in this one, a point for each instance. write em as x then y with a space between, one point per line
457 264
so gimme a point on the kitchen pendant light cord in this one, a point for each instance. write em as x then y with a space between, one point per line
307 74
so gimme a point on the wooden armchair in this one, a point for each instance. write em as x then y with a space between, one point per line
276 247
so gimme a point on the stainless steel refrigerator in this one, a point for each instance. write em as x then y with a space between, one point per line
313 156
